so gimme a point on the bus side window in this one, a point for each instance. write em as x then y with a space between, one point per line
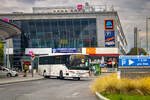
44 60
57 60
64 59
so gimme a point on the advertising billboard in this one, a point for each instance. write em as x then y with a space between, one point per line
109 32
5 19
80 7
109 24
109 39
66 50
90 50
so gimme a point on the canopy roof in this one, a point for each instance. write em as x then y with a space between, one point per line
8 30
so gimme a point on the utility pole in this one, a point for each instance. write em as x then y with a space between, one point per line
136 39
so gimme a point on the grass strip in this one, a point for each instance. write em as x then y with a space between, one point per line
126 97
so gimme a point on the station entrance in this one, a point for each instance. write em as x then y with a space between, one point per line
100 63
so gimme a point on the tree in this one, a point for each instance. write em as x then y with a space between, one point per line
137 51
1 53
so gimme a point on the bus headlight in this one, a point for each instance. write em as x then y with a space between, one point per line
72 72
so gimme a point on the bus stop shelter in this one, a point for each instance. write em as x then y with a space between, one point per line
7 31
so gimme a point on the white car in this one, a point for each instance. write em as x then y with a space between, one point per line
7 72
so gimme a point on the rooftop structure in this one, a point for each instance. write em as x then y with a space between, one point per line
78 9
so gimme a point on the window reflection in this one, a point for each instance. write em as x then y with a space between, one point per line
60 33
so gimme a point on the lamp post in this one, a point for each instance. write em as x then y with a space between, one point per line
8 62
147 35
139 42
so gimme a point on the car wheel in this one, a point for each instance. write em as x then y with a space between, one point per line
16 75
9 75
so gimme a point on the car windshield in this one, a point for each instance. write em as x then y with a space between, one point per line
5 69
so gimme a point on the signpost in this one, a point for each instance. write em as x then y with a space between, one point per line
33 56
134 66
134 61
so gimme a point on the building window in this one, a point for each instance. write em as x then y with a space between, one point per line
59 33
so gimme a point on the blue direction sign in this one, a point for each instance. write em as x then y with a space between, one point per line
134 60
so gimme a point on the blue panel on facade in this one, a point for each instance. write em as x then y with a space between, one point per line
109 38
66 50
134 61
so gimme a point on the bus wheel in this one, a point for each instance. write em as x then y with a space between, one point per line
76 78
44 74
61 75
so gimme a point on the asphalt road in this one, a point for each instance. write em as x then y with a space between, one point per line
48 89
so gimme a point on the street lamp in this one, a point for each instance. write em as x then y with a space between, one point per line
139 38
147 35
139 42
8 62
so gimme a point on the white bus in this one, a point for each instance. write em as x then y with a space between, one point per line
64 66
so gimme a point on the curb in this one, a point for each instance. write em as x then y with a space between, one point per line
21 81
100 97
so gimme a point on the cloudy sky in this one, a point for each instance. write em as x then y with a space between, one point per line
131 12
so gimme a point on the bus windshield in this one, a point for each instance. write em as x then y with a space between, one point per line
79 62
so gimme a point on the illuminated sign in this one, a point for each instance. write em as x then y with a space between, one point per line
109 39
90 50
66 50
5 19
80 7
31 53
109 24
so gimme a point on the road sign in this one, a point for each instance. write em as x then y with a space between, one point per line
134 60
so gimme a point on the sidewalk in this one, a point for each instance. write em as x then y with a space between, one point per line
101 75
20 78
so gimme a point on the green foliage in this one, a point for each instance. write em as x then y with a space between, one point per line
126 97
1 52
137 51
112 85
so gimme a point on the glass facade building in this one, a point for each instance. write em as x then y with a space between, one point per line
53 33
57 33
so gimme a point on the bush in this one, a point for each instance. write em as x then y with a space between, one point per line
112 85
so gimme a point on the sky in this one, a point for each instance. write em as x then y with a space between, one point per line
132 13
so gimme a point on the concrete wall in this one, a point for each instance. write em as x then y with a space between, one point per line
100 29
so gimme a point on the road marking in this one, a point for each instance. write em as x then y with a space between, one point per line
75 94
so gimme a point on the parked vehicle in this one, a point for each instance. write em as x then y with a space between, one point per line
8 72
